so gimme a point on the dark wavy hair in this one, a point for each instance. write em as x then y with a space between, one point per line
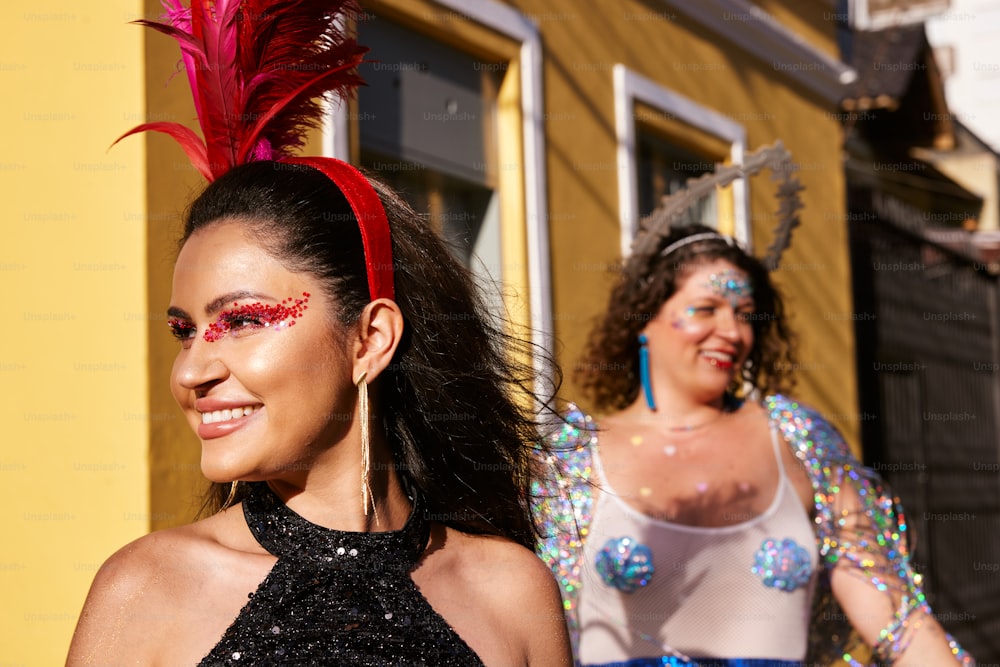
608 371
454 402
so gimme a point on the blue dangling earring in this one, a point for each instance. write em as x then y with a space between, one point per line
647 386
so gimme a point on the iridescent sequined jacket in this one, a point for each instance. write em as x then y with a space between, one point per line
857 521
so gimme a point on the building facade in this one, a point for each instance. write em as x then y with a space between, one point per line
535 134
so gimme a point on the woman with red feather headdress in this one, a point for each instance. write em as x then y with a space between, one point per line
369 457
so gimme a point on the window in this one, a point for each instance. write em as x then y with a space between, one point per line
426 122
664 168
517 195
882 14
664 139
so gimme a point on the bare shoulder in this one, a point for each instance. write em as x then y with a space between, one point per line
521 619
486 560
142 591
755 411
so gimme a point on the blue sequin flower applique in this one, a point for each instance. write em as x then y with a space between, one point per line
782 564
625 564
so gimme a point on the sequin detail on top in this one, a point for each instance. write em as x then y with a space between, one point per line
625 564
859 523
782 564
337 597
563 505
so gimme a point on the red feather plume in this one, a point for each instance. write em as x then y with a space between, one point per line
256 69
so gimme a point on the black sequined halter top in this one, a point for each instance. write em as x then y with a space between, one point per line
337 598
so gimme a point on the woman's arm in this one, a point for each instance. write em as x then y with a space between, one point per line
876 587
863 542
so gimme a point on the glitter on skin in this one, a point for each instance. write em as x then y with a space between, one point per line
731 285
257 316
249 316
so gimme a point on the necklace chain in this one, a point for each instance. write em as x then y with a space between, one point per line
729 405
687 428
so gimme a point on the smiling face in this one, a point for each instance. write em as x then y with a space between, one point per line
702 335
262 375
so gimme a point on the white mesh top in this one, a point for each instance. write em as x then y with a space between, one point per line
739 591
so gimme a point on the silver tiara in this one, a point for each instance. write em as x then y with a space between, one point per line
657 225
704 236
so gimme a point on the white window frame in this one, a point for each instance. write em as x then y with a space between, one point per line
862 19
520 28
629 87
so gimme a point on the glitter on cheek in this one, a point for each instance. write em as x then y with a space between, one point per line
253 316
683 321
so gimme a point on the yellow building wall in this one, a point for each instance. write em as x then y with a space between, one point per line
175 480
95 452
581 46
73 464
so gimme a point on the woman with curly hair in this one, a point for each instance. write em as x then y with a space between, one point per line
707 515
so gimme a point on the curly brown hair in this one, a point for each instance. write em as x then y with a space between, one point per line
608 370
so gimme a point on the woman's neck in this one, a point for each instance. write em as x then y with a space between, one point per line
330 495
677 412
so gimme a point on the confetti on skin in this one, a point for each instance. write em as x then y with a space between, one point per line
636 440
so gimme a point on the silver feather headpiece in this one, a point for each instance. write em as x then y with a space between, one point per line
658 224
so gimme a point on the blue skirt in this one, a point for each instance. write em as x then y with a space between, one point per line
673 661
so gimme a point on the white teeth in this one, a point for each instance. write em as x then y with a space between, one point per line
225 415
722 356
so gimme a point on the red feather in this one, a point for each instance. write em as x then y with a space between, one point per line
190 142
257 68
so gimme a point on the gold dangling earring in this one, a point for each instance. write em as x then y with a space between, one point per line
232 494
366 489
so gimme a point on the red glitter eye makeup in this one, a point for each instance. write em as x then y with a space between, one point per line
253 316
180 329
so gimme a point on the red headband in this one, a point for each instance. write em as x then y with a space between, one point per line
371 217
256 68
